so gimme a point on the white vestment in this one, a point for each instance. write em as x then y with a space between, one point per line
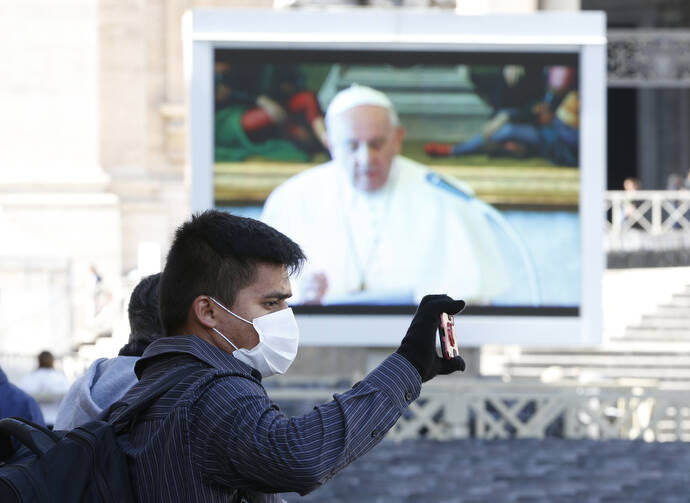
48 387
410 238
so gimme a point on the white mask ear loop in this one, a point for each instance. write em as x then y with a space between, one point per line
228 311
226 339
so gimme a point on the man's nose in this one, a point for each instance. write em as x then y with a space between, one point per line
363 154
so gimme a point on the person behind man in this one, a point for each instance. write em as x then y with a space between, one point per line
376 225
47 385
216 435
17 403
108 379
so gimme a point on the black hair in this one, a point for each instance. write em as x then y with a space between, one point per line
217 253
144 321
45 360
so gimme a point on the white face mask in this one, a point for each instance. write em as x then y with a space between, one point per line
278 341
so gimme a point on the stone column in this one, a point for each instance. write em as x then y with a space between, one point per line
132 83
662 135
52 187
142 109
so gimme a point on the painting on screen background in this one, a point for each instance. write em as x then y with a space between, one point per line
508 129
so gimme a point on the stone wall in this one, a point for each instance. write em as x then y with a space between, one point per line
142 114
59 217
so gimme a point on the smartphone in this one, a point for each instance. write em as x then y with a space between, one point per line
446 334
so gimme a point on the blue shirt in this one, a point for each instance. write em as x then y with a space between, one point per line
15 402
209 437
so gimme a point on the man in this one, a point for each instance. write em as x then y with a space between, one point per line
380 227
16 403
47 385
108 379
216 436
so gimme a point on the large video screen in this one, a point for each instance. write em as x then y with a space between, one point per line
474 191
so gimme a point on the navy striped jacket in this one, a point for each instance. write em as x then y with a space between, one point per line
216 435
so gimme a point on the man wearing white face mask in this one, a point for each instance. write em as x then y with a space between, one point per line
215 435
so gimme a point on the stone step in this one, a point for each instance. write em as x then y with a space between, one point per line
673 311
664 322
645 360
655 349
662 342
655 334
616 348
648 346
666 342
669 374
680 299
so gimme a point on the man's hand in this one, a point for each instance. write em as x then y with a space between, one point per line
419 344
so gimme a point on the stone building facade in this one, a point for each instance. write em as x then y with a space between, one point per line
92 161
92 150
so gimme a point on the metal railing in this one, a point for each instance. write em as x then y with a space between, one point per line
480 409
647 220
653 211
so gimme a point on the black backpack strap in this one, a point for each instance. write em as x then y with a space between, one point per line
37 438
132 410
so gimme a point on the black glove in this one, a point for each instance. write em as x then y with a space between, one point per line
419 343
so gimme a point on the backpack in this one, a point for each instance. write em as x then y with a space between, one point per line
85 464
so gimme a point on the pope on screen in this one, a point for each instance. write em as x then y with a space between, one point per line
378 227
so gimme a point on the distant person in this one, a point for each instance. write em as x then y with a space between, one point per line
380 228
47 385
17 403
674 181
108 379
630 205
632 184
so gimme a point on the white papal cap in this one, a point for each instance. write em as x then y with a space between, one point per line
355 96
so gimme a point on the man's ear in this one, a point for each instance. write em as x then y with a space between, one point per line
202 311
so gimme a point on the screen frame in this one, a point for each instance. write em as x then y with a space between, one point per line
205 30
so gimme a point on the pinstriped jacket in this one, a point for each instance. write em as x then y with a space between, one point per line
216 435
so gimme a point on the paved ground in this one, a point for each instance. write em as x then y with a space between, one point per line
513 471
